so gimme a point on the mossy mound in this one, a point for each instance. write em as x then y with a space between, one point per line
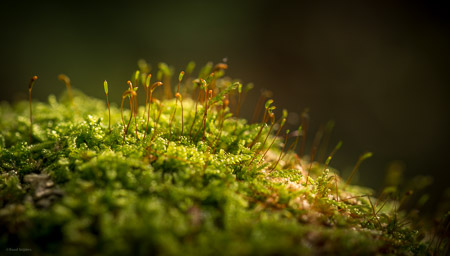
204 186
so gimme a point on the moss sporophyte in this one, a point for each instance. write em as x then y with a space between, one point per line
189 177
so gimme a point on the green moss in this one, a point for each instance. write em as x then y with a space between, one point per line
79 189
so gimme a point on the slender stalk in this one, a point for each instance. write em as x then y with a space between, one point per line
105 85
121 110
180 77
355 169
305 119
239 100
195 114
136 105
147 91
135 114
156 122
325 141
205 111
258 106
30 87
216 141
247 88
315 145
373 211
272 123
128 94
218 69
283 121
172 117
238 107
132 111
121 114
205 116
294 145
133 104
109 113
125 128
264 121
265 94
281 153
337 189
31 116
260 130
66 81
157 84
327 162
166 75
178 95
148 112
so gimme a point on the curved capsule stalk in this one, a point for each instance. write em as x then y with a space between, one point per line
66 81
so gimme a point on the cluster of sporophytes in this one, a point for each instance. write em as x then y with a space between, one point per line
182 174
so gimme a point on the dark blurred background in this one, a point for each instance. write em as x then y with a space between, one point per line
379 69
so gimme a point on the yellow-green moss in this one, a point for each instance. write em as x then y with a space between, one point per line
77 190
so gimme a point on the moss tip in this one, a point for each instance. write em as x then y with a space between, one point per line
268 103
220 66
366 155
190 67
31 84
147 80
105 86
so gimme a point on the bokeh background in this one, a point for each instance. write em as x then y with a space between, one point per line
379 69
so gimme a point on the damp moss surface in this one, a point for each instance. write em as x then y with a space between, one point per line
198 181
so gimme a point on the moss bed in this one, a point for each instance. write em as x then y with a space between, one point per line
80 189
